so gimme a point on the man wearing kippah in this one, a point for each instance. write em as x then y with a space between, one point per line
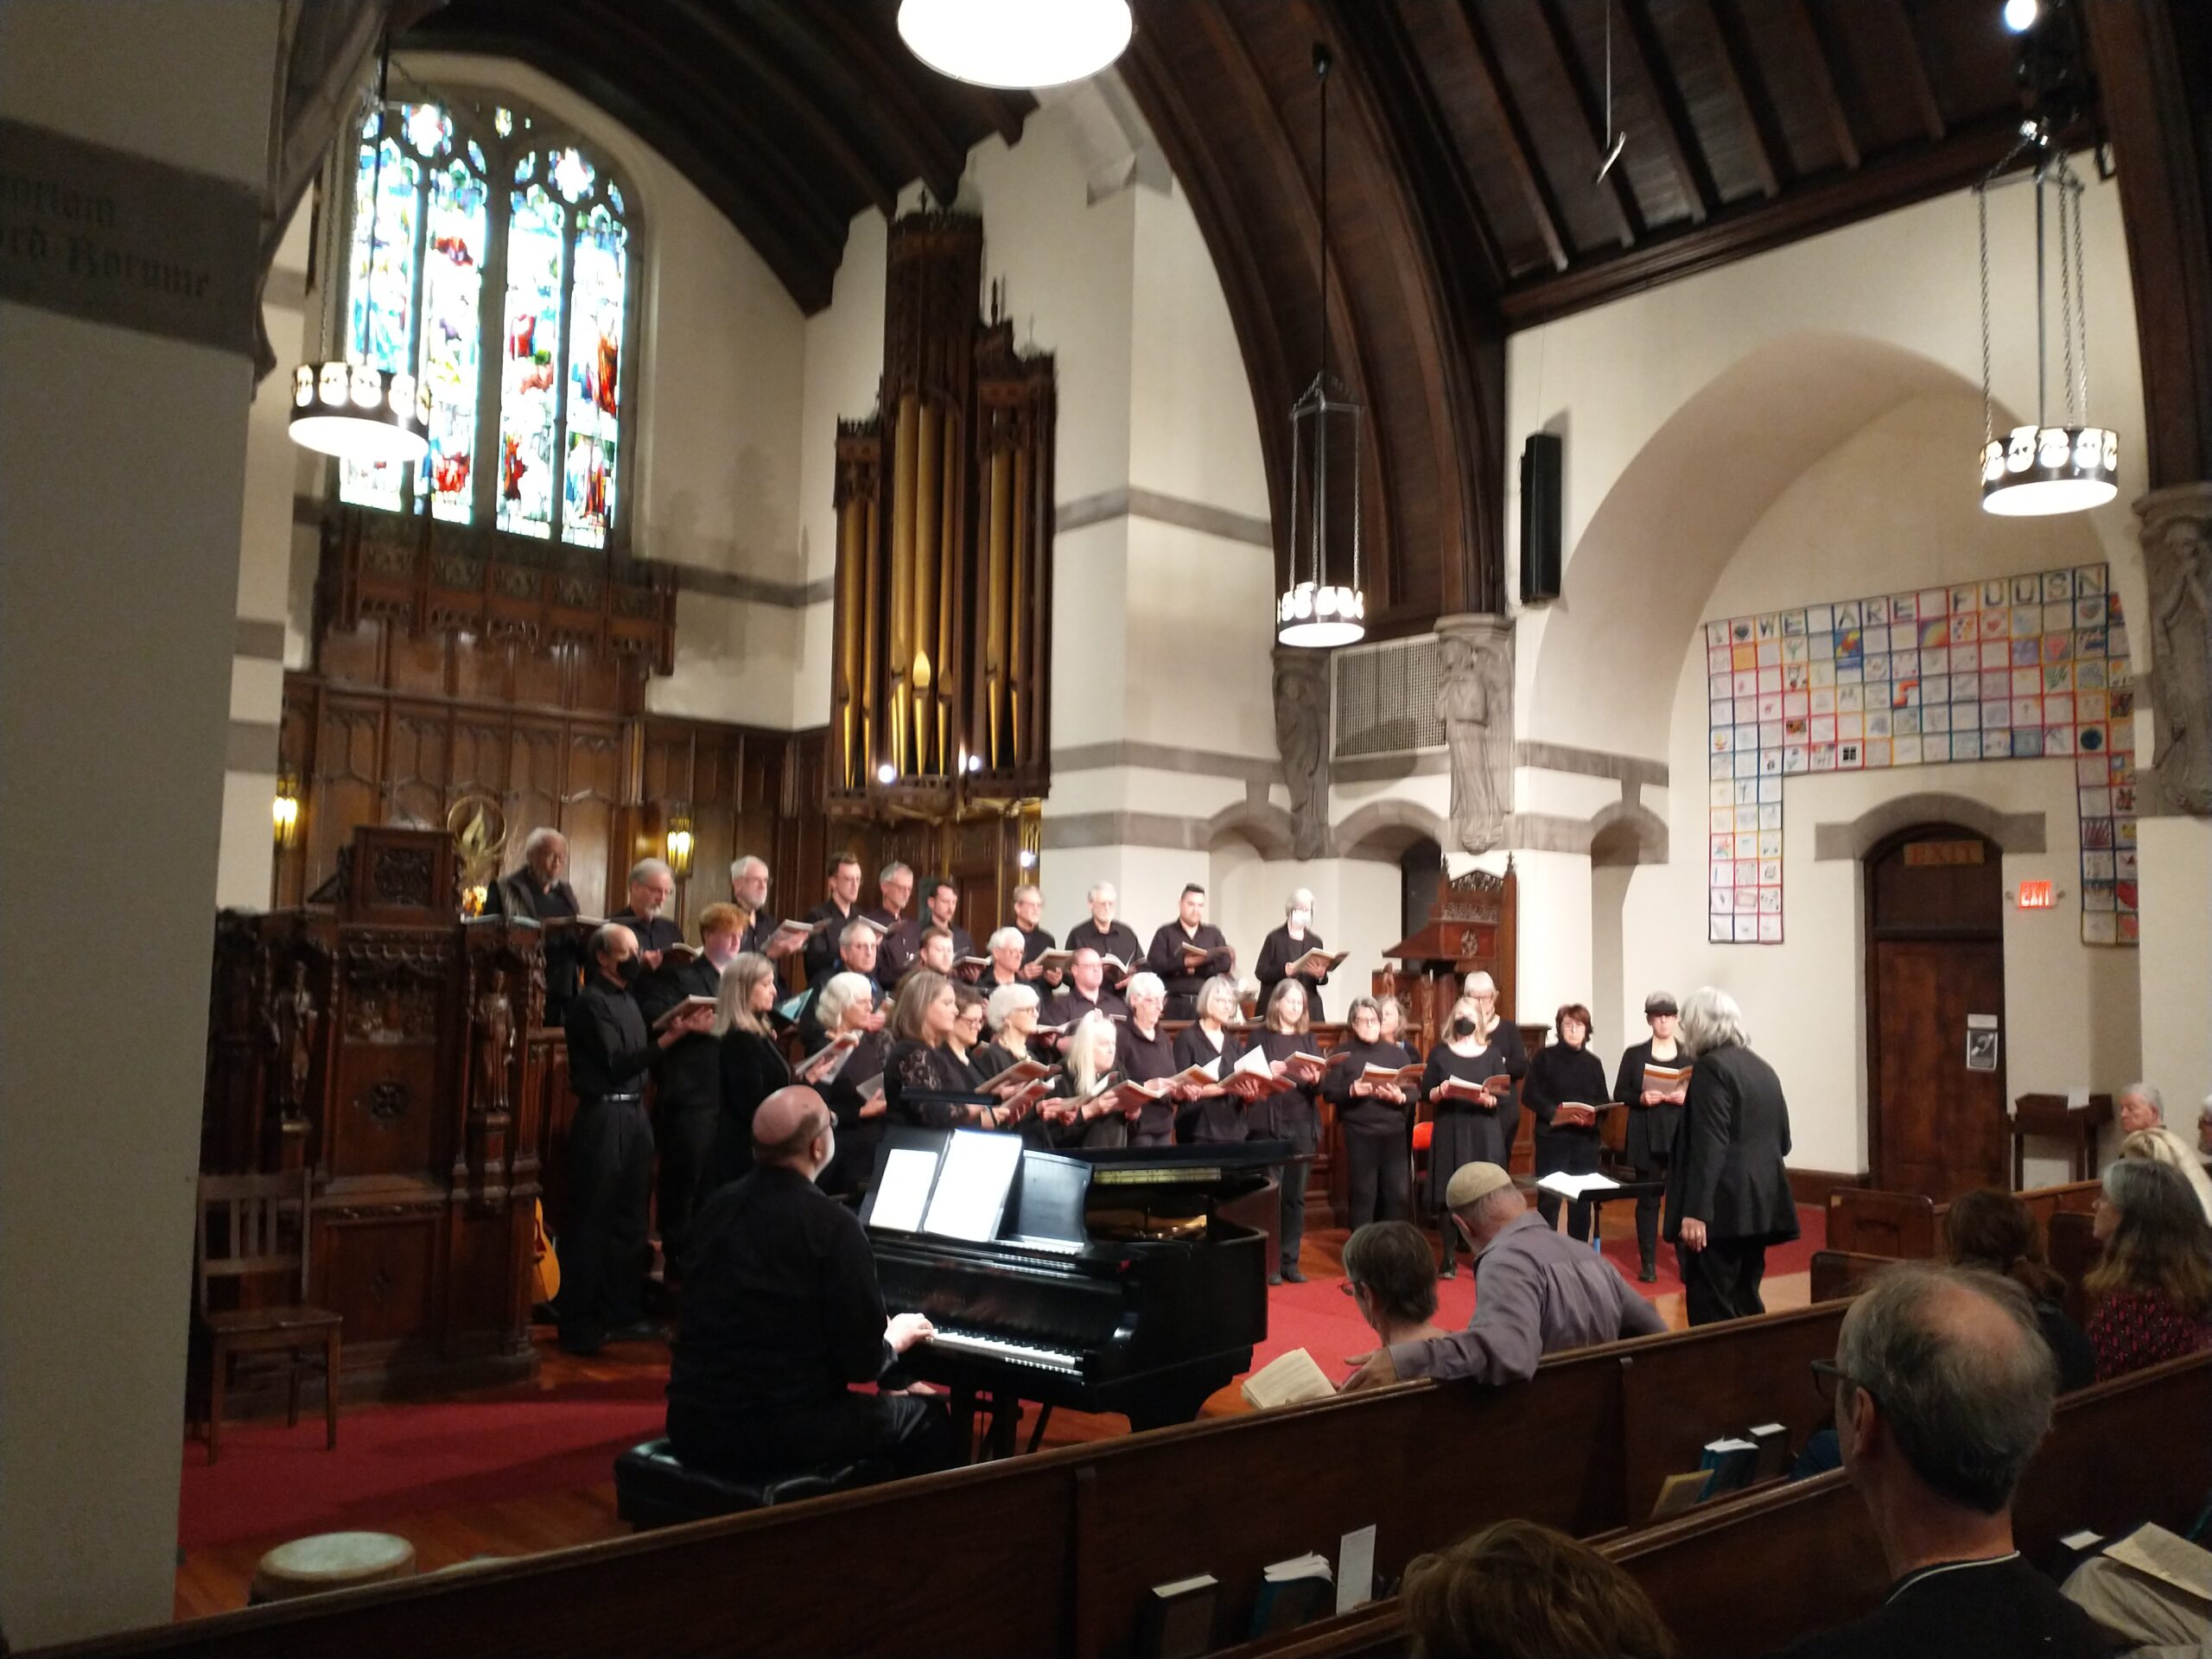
1536 1292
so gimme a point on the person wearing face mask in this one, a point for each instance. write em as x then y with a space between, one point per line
1654 1116
1284 946
604 1252
687 1078
1464 1131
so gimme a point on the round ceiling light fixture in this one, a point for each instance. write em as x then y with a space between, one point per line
1016 44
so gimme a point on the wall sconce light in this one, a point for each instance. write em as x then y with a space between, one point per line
679 845
284 812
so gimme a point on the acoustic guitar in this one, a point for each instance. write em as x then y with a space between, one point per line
544 1265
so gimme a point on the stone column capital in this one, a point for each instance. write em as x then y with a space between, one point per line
2176 529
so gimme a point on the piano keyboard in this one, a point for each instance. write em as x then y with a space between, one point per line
1017 1353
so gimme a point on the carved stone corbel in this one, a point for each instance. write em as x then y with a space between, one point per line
1302 738
1475 704
2177 535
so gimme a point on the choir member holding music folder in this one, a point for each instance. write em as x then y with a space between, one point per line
827 919
1092 1102
749 1061
925 1080
1566 1085
1653 1081
1295 951
687 1078
1188 951
1101 932
1084 992
1467 1084
1211 1110
1147 1054
852 1088
1290 1115
1373 1084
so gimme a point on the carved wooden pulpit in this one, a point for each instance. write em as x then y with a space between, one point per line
1474 925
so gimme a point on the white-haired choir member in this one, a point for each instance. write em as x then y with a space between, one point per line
1727 1190
1004 948
748 891
651 885
1285 946
1146 1052
537 891
1108 936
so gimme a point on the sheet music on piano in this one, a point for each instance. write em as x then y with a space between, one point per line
902 1189
972 1185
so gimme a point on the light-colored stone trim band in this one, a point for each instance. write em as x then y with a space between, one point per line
1167 757
1124 830
261 641
1590 763
1130 502
2013 832
252 747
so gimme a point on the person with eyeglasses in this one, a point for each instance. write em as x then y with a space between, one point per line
1942 1386
1391 1279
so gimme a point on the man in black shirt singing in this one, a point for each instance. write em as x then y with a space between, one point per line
604 1253
1187 952
651 885
837 911
782 1315
1943 1384
537 891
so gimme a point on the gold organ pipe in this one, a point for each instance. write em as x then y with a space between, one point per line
1018 607
995 615
850 519
873 552
929 553
905 472
948 621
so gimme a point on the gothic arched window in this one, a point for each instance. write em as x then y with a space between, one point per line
490 254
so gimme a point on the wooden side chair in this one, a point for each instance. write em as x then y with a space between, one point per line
257 1242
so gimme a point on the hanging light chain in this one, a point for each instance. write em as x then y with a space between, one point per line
2068 212
2081 284
1988 413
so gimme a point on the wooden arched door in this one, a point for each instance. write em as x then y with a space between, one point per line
1935 1012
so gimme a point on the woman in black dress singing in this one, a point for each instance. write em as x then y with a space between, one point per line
1287 944
1146 1053
1566 1074
846 1005
1290 1115
1210 1112
1377 1118
923 1081
1081 1111
1653 1116
753 1065
1468 1127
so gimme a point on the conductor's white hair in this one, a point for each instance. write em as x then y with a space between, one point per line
1027 890
1007 938
1711 1020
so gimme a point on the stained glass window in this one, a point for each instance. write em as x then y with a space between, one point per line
535 246
430 228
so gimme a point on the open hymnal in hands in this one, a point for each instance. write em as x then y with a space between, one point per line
826 1061
1117 971
1055 961
1669 1080
1574 1115
680 953
793 931
684 1010
1286 1380
1500 1084
975 965
1020 1071
1209 1072
1316 964
1461 1090
1391 1076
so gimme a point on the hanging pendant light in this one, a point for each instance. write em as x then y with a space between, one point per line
1016 44
355 410
2045 469
1318 608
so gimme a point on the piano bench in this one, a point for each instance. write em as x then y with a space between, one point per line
651 1489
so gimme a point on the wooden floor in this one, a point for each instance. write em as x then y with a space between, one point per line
216 1580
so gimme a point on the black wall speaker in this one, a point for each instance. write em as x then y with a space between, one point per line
1541 460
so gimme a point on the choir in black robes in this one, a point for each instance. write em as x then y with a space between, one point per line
929 1085
1292 1116
853 1167
1378 1134
1069 1005
522 895
822 947
1467 1132
750 1068
1142 1058
653 932
1182 974
604 1250
687 1101
1210 1117
1650 1139
1118 940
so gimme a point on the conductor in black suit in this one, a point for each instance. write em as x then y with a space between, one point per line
1727 1191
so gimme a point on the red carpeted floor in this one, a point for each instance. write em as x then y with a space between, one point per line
404 1458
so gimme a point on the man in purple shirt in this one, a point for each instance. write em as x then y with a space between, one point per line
1536 1292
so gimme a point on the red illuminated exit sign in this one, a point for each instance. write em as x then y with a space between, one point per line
2038 895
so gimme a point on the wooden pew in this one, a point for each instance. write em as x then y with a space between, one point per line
1868 1221
1053 1554
1840 1272
1756 1573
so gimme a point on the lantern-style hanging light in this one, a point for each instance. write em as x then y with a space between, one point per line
2047 467
356 411
1322 602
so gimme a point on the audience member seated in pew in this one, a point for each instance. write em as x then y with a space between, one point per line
1390 1275
1516 1589
782 1314
1536 1292
1996 1232
2153 1289
2134 1588
1944 1389
2143 1124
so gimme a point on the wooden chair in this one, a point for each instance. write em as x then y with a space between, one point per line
250 1247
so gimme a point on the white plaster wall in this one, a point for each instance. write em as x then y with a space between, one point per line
122 475
1609 381
2070 1008
1091 600
1198 666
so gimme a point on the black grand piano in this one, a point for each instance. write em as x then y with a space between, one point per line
1103 1280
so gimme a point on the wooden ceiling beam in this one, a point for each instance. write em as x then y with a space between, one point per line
938 158
1648 55
760 60
1798 15
1627 213
1520 143
1912 66
1739 76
